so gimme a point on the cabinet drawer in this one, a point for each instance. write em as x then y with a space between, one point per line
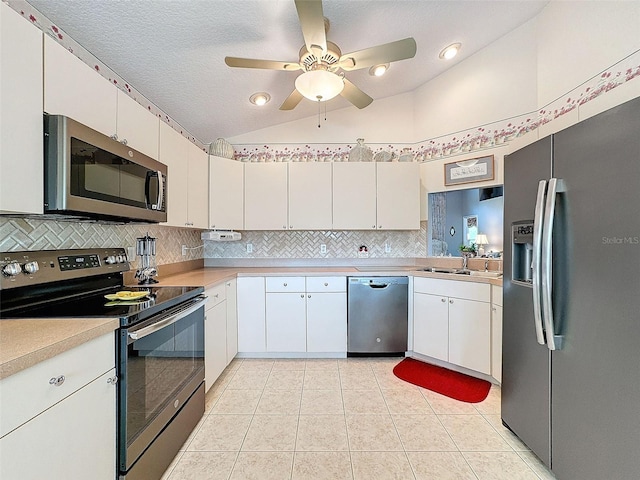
451 288
28 393
326 284
285 284
216 295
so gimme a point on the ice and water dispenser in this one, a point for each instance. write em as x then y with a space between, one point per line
522 238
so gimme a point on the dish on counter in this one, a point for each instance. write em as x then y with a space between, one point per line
126 296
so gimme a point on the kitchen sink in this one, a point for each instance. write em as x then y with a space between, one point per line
482 273
455 271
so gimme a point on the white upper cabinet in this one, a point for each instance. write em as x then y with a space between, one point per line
398 196
74 89
21 145
173 153
265 196
136 127
310 196
226 194
354 196
198 187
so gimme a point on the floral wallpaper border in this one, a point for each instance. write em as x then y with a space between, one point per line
473 139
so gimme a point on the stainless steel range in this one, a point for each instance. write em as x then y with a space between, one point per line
160 343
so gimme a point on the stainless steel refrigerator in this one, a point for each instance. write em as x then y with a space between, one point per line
571 325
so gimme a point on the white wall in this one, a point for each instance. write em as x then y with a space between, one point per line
388 120
578 40
496 83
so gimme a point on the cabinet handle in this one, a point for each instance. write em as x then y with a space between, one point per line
124 142
213 226
284 226
379 226
302 295
450 301
309 296
216 295
284 284
493 309
112 380
291 226
443 300
57 381
326 284
373 226
114 137
228 284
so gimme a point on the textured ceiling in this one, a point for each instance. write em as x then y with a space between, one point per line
172 51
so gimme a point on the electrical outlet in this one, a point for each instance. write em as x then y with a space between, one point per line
387 248
184 250
249 247
323 248
131 253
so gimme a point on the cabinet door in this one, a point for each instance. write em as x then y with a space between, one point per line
470 334
286 322
327 322
74 89
496 342
215 343
251 315
21 134
226 194
72 438
174 154
354 196
431 325
310 196
232 319
398 196
197 187
136 127
265 196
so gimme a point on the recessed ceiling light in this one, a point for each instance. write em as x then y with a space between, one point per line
449 52
379 70
260 98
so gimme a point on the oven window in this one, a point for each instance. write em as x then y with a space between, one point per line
158 366
101 175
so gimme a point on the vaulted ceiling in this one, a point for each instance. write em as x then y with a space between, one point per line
172 51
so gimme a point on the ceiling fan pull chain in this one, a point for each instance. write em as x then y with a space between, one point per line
319 107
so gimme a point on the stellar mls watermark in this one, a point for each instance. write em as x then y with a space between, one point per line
621 240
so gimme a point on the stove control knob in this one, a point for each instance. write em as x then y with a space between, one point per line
31 267
110 260
120 259
11 269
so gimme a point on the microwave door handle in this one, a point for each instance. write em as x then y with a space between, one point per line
160 190
554 342
535 261
167 321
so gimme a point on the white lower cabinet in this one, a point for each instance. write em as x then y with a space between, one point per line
215 335
496 332
251 315
327 322
452 322
231 293
66 430
297 315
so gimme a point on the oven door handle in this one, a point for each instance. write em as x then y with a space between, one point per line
169 320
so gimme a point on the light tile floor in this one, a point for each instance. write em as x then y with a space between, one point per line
348 419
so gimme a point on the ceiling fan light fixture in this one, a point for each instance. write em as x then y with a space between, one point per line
451 51
260 98
319 85
378 70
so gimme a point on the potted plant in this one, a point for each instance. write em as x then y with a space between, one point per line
469 250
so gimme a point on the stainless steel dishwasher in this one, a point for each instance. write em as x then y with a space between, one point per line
377 315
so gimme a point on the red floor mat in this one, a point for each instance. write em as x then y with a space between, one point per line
440 380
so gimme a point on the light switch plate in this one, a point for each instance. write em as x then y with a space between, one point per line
323 248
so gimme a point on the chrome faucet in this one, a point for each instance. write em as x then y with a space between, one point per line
486 265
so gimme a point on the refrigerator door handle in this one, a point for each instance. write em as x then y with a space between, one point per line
535 261
554 342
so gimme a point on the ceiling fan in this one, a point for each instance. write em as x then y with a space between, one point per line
322 61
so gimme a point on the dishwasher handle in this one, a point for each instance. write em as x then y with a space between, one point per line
379 285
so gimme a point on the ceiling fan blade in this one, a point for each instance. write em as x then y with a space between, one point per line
312 24
355 95
265 64
386 53
292 101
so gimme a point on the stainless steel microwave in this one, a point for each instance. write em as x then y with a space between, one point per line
90 175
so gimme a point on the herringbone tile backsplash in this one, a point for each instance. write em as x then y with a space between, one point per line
339 244
35 234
